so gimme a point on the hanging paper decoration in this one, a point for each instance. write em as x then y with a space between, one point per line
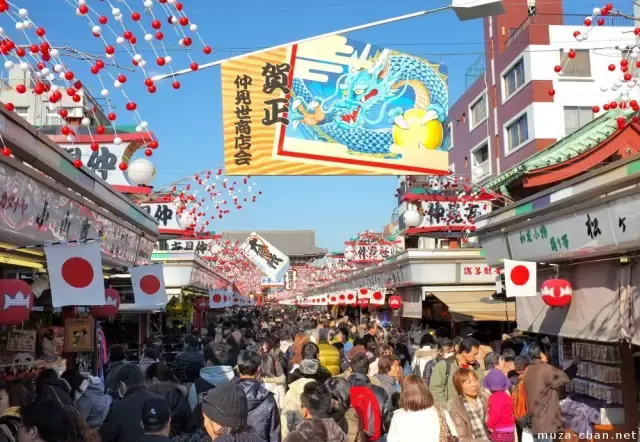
395 302
352 297
219 299
148 285
377 297
363 303
111 305
200 304
265 256
75 274
16 301
364 293
556 292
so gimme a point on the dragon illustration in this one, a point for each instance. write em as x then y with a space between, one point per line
364 98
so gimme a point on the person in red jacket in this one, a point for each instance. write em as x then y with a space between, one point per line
500 419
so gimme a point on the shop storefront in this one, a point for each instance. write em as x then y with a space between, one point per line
585 233
436 286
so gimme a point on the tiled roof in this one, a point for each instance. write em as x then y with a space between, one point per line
571 146
289 242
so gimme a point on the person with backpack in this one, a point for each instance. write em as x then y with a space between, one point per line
445 351
371 402
441 382
216 372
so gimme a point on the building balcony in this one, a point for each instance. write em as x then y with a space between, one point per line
560 20
481 171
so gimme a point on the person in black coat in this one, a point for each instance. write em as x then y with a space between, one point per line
263 416
50 387
123 421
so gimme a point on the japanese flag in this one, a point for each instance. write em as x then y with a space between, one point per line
377 297
520 278
333 298
364 293
148 285
75 274
219 299
351 296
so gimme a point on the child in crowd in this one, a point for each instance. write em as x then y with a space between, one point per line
500 419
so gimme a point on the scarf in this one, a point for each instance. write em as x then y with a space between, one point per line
476 417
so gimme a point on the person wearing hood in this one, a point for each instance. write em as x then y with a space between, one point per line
272 382
116 361
13 397
50 387
318 425
216 372
263 410
310 366
191 356
156 421
88 397
161 381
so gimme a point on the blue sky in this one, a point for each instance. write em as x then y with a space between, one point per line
188 123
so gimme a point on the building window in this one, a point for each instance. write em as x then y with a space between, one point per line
575 117
481 154
517 132
480 165
23 112
478 111
580 66
54 120
514 78
448 137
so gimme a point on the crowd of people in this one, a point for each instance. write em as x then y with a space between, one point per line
260 376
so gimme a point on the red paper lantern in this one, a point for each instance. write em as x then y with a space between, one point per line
556 292
395 302
364 303
16 301
110 307
200 304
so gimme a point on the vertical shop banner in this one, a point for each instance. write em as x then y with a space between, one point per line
75 274
148 285
334 106
265 256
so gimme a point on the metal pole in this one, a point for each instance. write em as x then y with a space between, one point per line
328 34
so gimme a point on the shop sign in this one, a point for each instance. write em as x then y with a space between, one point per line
165 214
201 247
342 265
202 278
267 281
478 273
451 214
372 253
104 162
290 280
33 213
388 278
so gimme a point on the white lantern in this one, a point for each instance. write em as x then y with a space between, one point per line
141 172
411 217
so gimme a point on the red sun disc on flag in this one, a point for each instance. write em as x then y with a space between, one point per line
341 297
217 298
519 275
149 284
363 291
350 296
77 272
377 296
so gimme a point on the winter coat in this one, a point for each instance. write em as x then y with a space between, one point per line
384 400
146 363
291 413
390 384
317 430
188 358
350 423
215 375
329 357
154 438
111 379
123 421
541 382
281 363
200 435
277 387
176 397
500 411
460 417
443 393
263 410
10 424
92 402
405 423
57 390
321 375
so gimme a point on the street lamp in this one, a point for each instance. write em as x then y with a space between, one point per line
464 9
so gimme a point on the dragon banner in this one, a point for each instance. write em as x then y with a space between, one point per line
334 106
271 261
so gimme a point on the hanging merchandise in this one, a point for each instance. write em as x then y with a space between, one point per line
16 301
520 278
75 274
556 292
111 305
79 335
148 285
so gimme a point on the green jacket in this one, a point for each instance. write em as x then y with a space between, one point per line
442 390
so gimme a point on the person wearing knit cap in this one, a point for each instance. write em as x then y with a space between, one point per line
225 412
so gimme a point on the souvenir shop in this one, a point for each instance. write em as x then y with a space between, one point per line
582 239
47 209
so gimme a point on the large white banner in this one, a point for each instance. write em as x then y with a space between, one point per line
265 256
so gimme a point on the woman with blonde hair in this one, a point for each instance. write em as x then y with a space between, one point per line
418 410
299 342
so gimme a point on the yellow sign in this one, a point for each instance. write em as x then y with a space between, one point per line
334 106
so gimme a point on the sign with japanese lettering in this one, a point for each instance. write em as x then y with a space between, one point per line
205 279
478 273
334 106
267 281
165 214
104 162
201 247
265 256
33 213
451 213
372 253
